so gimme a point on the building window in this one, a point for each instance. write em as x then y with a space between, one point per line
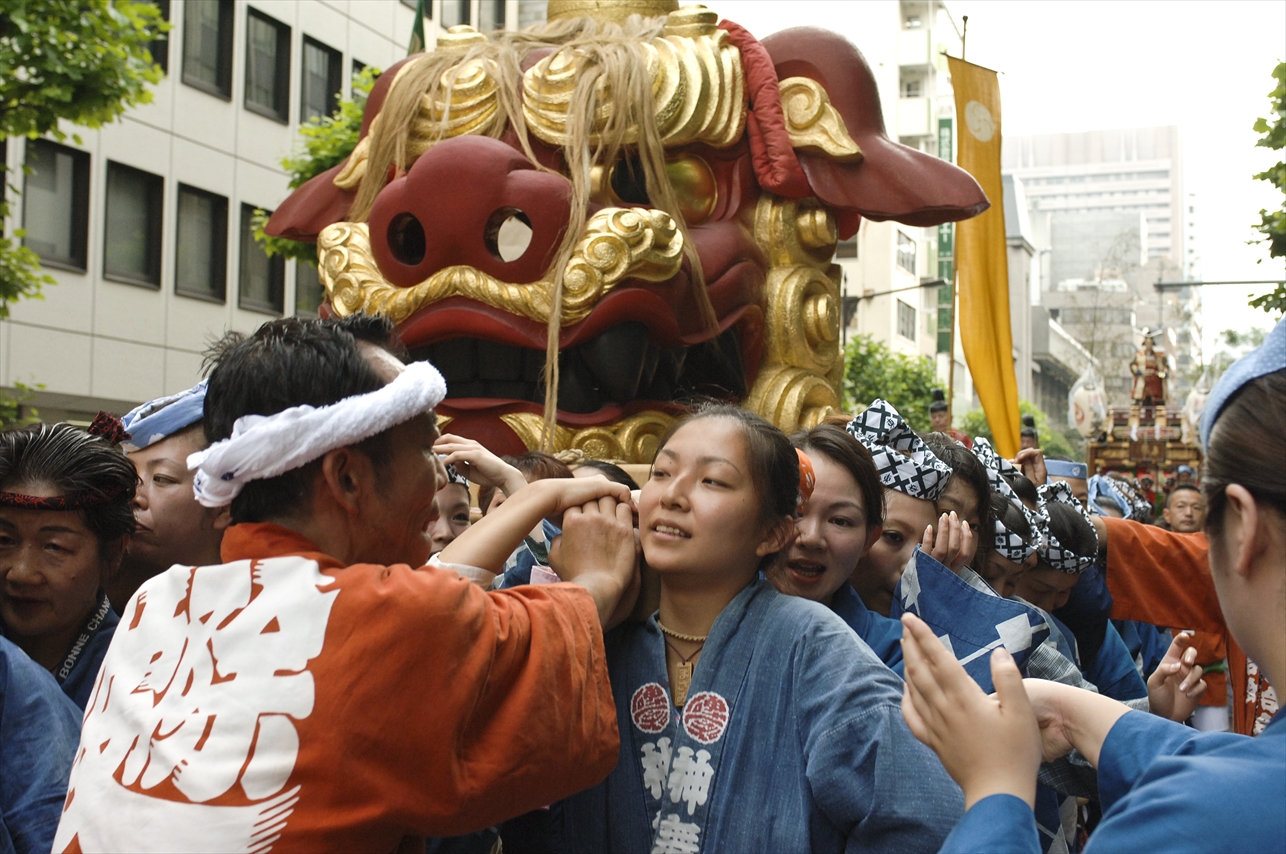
491 15
267 66
55 203
159 47
912 22
321 81
846 248
263 279
906 320
906 253
455 12
201 248
309 293
532 12
912 88
207 46
132 226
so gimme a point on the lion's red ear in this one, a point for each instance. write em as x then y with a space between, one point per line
891 181
318 203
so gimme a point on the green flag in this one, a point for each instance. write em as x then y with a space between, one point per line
417 31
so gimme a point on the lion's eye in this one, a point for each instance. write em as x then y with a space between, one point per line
694 187
629 185
690 176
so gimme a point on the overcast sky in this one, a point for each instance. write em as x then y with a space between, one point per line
1073 65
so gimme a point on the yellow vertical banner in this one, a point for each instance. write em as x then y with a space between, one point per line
982 266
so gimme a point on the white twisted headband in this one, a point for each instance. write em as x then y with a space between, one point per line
264 446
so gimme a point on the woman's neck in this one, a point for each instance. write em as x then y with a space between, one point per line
690 604
50 649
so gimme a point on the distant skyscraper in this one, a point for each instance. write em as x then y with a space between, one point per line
1125 170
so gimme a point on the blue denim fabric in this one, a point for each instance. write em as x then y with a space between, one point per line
79 684
815 755
39 733
882 634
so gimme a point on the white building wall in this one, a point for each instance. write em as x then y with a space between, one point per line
94 343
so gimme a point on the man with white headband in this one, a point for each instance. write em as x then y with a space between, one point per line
316 691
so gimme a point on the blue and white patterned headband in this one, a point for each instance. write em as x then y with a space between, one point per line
1051 550
1101 486
453 475
161 418
1010 545
902 459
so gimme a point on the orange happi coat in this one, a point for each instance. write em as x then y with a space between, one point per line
282 700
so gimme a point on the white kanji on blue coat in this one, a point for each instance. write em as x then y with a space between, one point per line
690 778
675 836
656 765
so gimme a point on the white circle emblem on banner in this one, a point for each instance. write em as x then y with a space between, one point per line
978 120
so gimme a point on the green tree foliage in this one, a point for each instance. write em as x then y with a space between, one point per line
1272 224
83 62
1051 441
326 141
872 370
14 411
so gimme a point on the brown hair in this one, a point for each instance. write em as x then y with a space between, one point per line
842 449
1247 446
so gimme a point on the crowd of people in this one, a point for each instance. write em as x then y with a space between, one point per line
282 611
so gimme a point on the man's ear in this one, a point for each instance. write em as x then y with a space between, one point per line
348 477
221 517
779 535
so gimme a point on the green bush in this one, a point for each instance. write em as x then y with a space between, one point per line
1051 441
325 142
872 370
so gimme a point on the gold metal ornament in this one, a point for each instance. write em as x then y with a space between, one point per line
634 438
615 11
813 123
798 382
617 244
698 92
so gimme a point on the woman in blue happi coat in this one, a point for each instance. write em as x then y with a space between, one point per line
750 721
1154 775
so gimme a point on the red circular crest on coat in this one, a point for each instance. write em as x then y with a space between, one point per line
650 708
705 717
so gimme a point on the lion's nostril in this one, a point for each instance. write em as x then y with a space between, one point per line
507 235
406 239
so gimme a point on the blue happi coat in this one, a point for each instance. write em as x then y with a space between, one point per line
1157 780
792 739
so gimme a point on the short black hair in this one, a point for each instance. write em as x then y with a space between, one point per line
1179 487
86 469
1071 530
841 448
611 471
969 468
288 362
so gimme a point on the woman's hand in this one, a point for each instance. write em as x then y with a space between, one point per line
479 465
952 544
1176 686
989 744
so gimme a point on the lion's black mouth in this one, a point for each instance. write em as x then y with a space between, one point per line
618 366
